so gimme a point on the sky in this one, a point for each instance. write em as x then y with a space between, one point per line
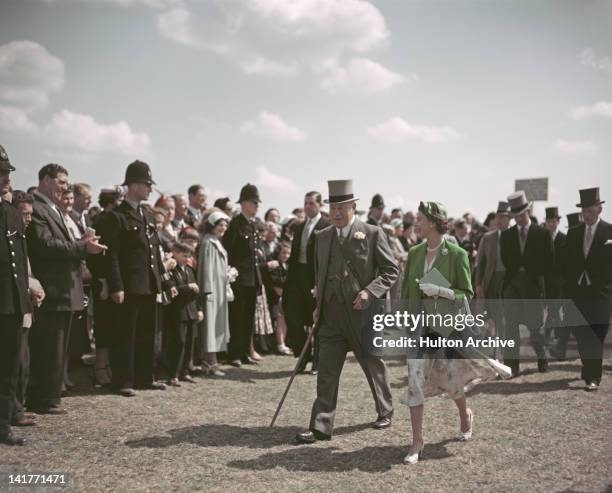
417 100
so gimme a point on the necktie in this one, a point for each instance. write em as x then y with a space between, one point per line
588 237
340 236
523 237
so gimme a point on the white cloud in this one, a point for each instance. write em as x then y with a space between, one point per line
81 132
262 66
266 179
16 120
359 74
600 108
273 126
397 129
574 146
154 4
28 74
281 38
589 58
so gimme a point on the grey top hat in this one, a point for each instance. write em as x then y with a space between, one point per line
5 163
518 203
340 192
502 207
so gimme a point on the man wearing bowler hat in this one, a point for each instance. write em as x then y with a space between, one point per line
135 278
588 282
354 266
15 305
240 241
377 209
527 254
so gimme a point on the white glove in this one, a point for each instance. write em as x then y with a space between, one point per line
429 289
433 290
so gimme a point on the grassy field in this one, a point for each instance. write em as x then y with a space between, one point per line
538 432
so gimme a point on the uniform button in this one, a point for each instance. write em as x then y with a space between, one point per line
10 242
13 254
152 266
14 264
15 276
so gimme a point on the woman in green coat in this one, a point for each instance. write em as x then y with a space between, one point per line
435 373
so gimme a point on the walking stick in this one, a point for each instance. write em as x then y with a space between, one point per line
295 370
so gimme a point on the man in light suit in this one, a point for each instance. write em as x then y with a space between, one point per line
490 269
588 282
354 266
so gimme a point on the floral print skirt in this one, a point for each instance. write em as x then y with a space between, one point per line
435 375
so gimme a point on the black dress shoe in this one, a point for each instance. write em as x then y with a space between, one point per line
236 363
542 365
310 437
127 392
248 361
591 387
7 438
382 423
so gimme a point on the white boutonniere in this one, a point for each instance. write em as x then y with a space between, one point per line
359 235
444 251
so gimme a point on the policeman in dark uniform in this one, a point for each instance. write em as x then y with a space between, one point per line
134 281
240 242
15 305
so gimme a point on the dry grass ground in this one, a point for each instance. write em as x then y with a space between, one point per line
538 432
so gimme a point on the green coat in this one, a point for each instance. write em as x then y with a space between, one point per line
454 266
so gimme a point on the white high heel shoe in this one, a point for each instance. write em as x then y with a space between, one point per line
464 436
414 458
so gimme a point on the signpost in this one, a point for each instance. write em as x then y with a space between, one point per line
534 188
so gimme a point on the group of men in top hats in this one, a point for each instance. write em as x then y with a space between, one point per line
529 266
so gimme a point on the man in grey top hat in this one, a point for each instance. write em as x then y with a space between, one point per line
354 265
527 254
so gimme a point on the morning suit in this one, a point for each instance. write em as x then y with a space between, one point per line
361 261
588 283
528 265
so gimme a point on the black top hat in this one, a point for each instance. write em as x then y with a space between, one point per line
138 172
5 164
573 219
340 191
552 213
589 197
249 192
377 202
502 207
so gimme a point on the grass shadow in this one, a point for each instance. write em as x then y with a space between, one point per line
222 435
329 459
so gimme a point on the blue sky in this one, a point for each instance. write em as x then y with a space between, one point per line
417 100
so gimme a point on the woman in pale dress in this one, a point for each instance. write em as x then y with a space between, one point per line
434 373
212 273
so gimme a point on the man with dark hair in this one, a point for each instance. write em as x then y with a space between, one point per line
135 273
32 189
225 204
298 300
24 202
377 208
55 257
197 204
15 305
240 241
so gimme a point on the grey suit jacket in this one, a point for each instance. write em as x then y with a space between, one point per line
371 265
486 259
55 259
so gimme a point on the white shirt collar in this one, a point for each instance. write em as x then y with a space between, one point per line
314 220
593 226
346 229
